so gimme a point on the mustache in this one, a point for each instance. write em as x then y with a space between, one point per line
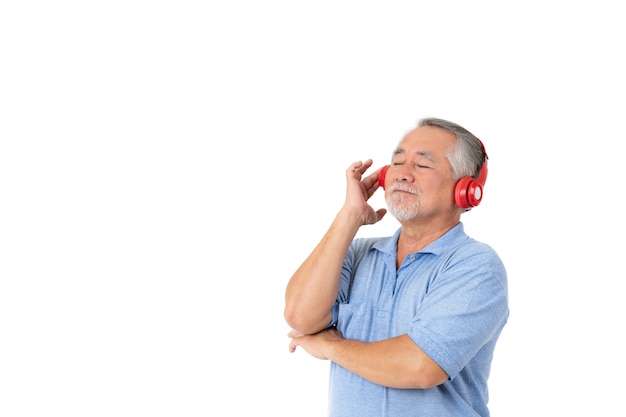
400 186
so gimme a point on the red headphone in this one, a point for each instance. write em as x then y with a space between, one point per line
468 191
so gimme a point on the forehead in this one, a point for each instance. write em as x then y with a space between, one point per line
428 141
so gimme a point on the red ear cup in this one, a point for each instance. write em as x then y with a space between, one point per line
469 191
381 176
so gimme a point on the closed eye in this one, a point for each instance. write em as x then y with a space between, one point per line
417 165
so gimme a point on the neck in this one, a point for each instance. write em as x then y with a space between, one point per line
414 237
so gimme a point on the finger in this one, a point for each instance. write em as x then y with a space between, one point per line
294 333
359 166
365 166
371 181
292 346
354 169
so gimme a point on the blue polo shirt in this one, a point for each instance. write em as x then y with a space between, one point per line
450 298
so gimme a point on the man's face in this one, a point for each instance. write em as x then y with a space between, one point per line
419 180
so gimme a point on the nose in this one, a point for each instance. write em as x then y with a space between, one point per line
403 174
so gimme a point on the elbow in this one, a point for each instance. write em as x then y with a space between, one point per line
427 374
303 323
426 379
291 317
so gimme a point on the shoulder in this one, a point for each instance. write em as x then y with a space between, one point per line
473 258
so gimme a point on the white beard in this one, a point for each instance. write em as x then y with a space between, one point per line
401 206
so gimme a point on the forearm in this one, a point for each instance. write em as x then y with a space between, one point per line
394 363
312 290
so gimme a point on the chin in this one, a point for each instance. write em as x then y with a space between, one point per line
403 215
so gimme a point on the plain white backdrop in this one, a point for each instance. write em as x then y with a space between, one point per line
165 166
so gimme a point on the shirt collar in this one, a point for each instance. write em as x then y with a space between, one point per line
451 238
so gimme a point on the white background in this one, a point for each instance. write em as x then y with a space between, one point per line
165 166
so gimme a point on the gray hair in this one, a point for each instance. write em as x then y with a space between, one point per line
468 155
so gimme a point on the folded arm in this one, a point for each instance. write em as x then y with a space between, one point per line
396 362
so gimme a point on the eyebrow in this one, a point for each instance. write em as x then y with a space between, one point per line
424 154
